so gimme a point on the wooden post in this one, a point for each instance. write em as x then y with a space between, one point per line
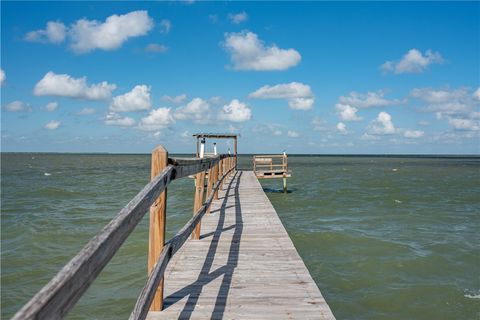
284 183
198 201
235 151
156 238
216 175
228 166
210 185
229 159
221 167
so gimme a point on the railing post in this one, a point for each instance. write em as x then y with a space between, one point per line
198 201
222 170
210 184
215 177
227 165
235 151
156 238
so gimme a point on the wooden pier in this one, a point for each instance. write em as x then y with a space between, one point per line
243 267
233 259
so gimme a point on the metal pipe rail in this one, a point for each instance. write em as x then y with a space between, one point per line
61 293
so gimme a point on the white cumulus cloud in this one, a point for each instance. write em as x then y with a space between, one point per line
54 32
135 100
87 35
368 100
235 111
197 110
248 52
301 103
157 119
298 95
458 106
347 112
114 119
18 106
413 134
52 125
63 85
382 125
51 106
238 17
412 62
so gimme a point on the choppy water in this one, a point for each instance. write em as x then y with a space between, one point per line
383 237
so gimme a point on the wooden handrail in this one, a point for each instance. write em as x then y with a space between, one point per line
269 156
270 165
145 299
61 293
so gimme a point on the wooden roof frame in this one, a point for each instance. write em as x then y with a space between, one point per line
216 135
233 136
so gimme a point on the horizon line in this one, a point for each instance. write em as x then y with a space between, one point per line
262 153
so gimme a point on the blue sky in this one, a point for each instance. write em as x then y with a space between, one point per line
308 77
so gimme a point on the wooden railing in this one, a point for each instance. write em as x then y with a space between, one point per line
270 163
58 296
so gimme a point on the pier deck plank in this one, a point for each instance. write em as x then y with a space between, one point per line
243 267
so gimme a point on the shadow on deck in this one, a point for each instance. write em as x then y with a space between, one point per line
194 290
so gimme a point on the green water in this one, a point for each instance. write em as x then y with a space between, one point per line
383 237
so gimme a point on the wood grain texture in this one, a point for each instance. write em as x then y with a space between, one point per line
243 267
198 201
216 176
210 185
156 235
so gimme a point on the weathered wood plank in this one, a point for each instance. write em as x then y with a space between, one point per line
198 201
210 185
156 234
243 267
